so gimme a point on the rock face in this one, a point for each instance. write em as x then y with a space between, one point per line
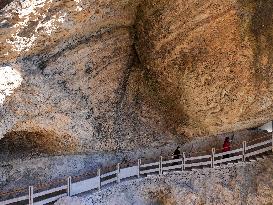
210 62
108 75
74 58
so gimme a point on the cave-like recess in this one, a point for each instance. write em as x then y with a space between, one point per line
28 143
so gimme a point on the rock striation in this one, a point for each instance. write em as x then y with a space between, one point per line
108 75
210 63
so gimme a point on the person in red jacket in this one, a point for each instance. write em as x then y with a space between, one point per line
226 147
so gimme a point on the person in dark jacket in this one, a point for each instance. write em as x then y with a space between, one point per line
176 154
226 147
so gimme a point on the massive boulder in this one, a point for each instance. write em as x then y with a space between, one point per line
210 62
110 75
74 58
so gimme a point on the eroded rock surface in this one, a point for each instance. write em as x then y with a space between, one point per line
210 62
74 58
114 75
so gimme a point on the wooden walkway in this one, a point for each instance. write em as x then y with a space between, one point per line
77 185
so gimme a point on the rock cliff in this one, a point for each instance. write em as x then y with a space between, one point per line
111 75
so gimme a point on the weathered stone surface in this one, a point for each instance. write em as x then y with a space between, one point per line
74 58
210 62
69 200
114 75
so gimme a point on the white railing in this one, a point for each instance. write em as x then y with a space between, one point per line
183 164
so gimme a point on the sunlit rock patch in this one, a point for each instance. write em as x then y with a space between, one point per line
10 79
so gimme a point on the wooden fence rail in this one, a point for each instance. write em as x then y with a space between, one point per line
141 170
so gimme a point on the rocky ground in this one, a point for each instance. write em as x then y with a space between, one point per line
240 184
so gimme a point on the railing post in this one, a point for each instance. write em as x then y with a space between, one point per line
272 136
244 151
182 164
69 182
138 164
99 174
183 161
118 171
160 165
30 195
212 157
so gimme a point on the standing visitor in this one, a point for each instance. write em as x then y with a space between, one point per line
226 147
176 154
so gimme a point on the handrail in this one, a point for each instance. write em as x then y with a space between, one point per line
96 182
228 152
199 157
258 144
